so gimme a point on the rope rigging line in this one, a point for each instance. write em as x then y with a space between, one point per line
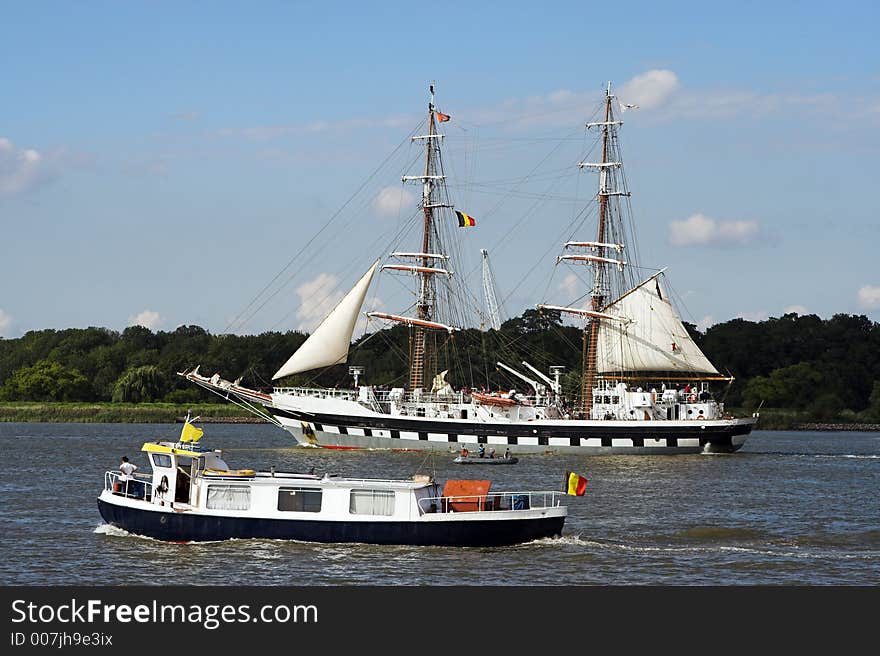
305 247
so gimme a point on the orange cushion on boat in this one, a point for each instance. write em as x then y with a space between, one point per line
475 490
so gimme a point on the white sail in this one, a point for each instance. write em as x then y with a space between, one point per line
329 343
653 338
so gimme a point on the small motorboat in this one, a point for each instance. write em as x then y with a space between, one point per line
471 460
193 495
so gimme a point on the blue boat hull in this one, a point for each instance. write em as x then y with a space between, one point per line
193 527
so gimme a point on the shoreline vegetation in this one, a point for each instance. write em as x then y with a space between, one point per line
801 371
220 413
122 413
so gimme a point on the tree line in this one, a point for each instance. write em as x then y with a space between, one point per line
829 368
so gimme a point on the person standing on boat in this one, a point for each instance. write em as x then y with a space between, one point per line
128 469
506 453
482 451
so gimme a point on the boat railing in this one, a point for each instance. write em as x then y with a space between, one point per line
318 392
377 398
139 487
491 501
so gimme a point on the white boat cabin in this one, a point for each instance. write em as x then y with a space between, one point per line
185 478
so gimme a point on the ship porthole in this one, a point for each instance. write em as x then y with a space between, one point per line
162 520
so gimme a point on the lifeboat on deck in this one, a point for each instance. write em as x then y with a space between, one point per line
493 398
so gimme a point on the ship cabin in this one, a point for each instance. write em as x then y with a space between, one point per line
614 400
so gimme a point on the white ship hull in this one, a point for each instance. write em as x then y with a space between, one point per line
334 423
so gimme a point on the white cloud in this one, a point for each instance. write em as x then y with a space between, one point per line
649 90
759 315
316 298
390 200
704 323
148 319
267 133
569 285
701 230
797 309
728 103
5 323
869 297
20 169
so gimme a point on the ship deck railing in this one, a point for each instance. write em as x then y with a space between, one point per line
139 487
384 396
492 501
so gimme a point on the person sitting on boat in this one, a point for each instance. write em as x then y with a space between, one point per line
128 469
464 452
492 452
482 451
506 453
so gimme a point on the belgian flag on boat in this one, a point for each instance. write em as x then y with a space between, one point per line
574 484
465 220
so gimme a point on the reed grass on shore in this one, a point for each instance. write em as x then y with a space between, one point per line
127 413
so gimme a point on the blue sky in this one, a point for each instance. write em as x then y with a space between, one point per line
162 162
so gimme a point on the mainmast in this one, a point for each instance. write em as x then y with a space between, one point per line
425 298
597 296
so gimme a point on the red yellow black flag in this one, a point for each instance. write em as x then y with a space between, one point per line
574 484
465 220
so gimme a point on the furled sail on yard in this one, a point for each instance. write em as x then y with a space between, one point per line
651 337
329 343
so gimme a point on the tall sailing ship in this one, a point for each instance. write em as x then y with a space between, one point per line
644 386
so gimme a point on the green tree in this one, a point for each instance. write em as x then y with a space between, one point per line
872 412
45 381
142 384
789 387
826 407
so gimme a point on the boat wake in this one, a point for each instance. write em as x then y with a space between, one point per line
778 551
789 454
109 529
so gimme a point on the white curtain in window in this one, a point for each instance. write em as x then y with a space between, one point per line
229 497
372 502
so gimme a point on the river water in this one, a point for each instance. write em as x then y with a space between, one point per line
790 508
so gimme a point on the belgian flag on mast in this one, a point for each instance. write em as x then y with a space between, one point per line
465 220
574 484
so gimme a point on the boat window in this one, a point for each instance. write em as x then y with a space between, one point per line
371 502
299 499
229 497
161 459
